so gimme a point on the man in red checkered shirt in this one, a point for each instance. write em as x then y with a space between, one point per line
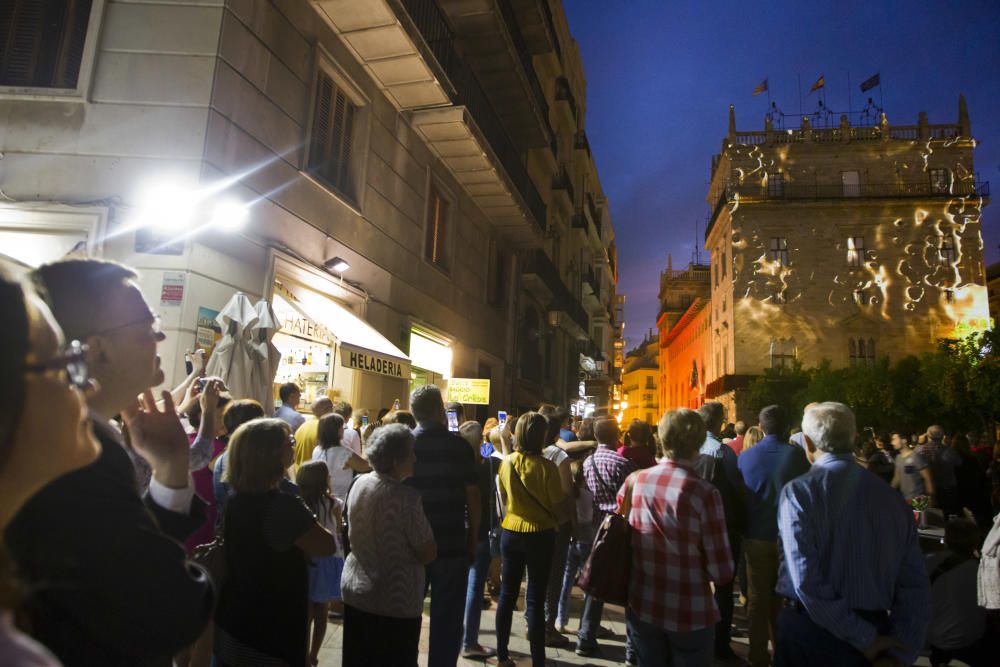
679 546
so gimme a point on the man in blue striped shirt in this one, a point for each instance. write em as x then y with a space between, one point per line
853 573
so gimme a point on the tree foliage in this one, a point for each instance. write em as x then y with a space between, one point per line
957 385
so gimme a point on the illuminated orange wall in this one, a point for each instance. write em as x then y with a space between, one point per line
687 343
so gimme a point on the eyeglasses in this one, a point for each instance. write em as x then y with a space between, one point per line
70 360
152 319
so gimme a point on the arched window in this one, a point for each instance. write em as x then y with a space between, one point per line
861 348
852 349
871 350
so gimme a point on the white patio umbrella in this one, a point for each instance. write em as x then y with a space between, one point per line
231 359
264 355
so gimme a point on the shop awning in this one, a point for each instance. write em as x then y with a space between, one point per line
362 347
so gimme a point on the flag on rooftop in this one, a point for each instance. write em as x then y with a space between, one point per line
871 82
820 82
762 88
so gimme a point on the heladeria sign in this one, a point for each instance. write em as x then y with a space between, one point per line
368 361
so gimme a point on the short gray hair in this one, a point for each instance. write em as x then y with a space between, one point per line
682 433
831 427
712 413
472 431
388 445
426 403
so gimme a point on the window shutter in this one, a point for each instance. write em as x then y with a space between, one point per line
331 148
43 42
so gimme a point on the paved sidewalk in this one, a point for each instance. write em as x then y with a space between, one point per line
613 650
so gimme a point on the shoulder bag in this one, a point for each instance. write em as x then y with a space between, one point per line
608 569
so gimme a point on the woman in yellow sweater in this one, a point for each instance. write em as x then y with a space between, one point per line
530 489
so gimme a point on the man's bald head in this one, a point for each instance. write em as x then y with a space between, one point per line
322 406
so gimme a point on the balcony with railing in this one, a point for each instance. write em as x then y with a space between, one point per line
537 270
566 101
563 184
490 39
804 192
462 149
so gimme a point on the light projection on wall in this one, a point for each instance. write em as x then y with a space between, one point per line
922 258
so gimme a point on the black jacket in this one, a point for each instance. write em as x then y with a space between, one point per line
108 583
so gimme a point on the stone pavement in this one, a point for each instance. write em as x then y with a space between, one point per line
613 650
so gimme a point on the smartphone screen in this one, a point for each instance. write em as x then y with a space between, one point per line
364 421
452 420
502 418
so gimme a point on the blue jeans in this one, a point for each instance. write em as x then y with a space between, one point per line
474 593
575 558
655 646
590 622
447 579
517 552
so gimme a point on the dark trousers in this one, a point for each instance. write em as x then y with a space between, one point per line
448 580
724 600
559 554
517 552
379 641
802 642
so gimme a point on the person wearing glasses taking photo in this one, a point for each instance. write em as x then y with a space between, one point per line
109 583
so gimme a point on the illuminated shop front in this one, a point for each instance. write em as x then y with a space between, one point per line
328 350
430 358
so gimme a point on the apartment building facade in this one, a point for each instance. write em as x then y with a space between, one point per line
409 172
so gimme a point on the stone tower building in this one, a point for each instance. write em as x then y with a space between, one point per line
846 243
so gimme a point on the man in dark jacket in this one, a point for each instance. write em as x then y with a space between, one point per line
110 585
718 465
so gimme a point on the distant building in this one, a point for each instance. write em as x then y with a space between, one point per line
685 358
847 243
640 381
684 295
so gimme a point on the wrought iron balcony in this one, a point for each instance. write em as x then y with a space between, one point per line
433 27
536 262
562 181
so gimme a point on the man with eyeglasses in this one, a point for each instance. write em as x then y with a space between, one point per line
110 585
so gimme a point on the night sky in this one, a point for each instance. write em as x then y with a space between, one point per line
662 74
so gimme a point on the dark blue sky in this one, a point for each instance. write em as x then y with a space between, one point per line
661 76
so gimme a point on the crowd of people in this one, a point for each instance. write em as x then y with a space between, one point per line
191 528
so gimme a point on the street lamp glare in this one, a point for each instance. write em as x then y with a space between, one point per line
167 206
229 215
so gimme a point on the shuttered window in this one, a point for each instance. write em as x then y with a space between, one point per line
331 145
437 221
41 42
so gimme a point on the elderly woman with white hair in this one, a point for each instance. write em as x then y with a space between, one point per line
391 543
852 573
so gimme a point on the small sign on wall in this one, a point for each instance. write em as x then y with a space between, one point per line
473 391
209 332
172 290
